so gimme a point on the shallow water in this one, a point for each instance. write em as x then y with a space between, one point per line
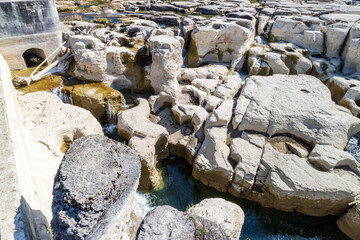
181 190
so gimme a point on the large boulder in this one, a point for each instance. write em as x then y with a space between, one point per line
146 138
55 124
226 214
94 189
349 223
221 41
101 100
297 105
165 222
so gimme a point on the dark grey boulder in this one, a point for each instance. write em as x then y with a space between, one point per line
94 189
165 222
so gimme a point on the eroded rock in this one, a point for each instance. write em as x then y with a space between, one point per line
94 189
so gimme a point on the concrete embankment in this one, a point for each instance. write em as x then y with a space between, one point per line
20 217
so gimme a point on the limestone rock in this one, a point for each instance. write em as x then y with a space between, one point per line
327 157
221 116
276 64
182 139
349 223
107 65
290 183
224 213
220 41
146 138
254 138
229 88
55 124
101 100
248 157
211 164
216 72
338 86
351 51
307 112
166 62
94 189
165 222
79 42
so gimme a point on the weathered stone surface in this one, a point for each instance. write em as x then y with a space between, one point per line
276 64
248 157
166 62
101 100
327 158
146 138
220 41
182 140
217 72
221 116
224 213
299 105
165 222
79 42
290 183
351 51
338 86
211 164
54 123
349 223
109 65
229 88
94 189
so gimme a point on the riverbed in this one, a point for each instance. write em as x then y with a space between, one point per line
181 190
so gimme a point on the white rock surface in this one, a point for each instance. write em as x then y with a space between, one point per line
146 138
211 164
227 214
299 105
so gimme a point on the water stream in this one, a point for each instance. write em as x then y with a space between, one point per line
181 190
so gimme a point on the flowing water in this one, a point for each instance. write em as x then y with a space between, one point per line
181 190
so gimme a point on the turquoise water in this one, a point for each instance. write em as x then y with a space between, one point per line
182 190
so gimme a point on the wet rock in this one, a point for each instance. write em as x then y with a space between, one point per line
94 189
101 100
227 215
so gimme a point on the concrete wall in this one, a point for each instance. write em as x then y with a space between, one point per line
28 24
28 17
20 217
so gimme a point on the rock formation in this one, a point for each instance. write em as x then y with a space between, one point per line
94 189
